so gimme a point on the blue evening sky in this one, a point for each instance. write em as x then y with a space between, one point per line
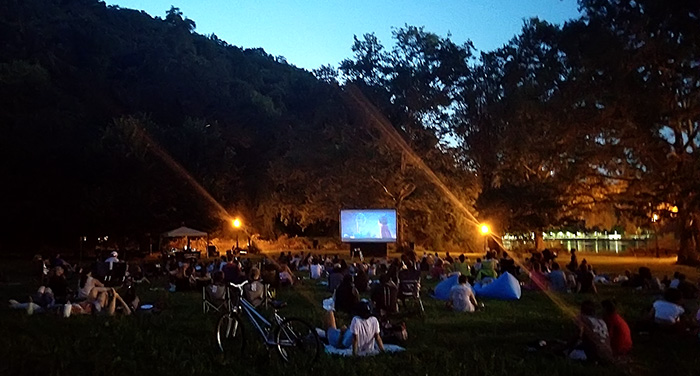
310 33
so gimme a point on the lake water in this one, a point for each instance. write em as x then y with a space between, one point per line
589 245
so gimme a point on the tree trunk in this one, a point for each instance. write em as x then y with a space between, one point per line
688 252
539 241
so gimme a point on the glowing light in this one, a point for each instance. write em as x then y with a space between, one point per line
484 229
236 223
654 217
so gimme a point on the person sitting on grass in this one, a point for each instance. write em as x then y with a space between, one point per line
363 335
462 297
593 339
90 287
488 267
346 295
58 284
538 281
462 266
557 279
286 275
584 279
437 272
620 337
667 312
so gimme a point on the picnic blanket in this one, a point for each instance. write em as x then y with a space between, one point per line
331 350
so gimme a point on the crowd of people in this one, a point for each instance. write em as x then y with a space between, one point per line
601 338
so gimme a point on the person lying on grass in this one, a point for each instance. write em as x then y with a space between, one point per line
41 301
102 304
363 335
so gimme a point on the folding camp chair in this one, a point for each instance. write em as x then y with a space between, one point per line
116 274
215 300
409 287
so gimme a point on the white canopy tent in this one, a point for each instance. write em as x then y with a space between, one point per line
185 232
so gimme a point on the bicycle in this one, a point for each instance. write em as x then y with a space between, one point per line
295 340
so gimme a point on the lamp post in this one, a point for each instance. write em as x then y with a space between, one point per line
655 221
485 232
237 225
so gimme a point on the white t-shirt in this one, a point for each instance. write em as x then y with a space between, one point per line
365 330
316 271
85 290
667 312
112 259
459 295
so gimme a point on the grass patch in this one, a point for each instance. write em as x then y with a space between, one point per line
180 339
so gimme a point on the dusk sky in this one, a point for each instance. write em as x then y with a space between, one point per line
311 33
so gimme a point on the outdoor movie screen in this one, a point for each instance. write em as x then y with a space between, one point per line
368 225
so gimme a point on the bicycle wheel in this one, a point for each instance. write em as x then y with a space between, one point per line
298 342
229 334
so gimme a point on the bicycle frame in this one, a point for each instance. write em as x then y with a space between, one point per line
262 325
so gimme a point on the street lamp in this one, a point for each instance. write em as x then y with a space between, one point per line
485 232
655 221
236 224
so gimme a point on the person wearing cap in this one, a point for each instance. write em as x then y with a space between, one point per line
112 257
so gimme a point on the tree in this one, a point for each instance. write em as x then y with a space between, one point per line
638 63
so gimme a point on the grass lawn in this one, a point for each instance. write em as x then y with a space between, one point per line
180 339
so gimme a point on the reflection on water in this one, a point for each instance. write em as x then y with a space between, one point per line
587 245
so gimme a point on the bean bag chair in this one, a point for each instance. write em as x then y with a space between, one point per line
505 287
442 290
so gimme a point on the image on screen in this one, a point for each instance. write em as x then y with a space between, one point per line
368 225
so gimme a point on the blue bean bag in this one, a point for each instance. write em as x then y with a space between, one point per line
442 290
505 287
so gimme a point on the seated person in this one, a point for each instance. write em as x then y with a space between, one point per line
90 287
507 264
687 289
180 278
593 339
254 290
668 311
620 337
437 271
316 269
384 296
584 279
286 275
462 297
335 278
462 266
216 291
200 277
557 279
138 276
488 268
363 335
58 284
361 278
538 281
346 295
